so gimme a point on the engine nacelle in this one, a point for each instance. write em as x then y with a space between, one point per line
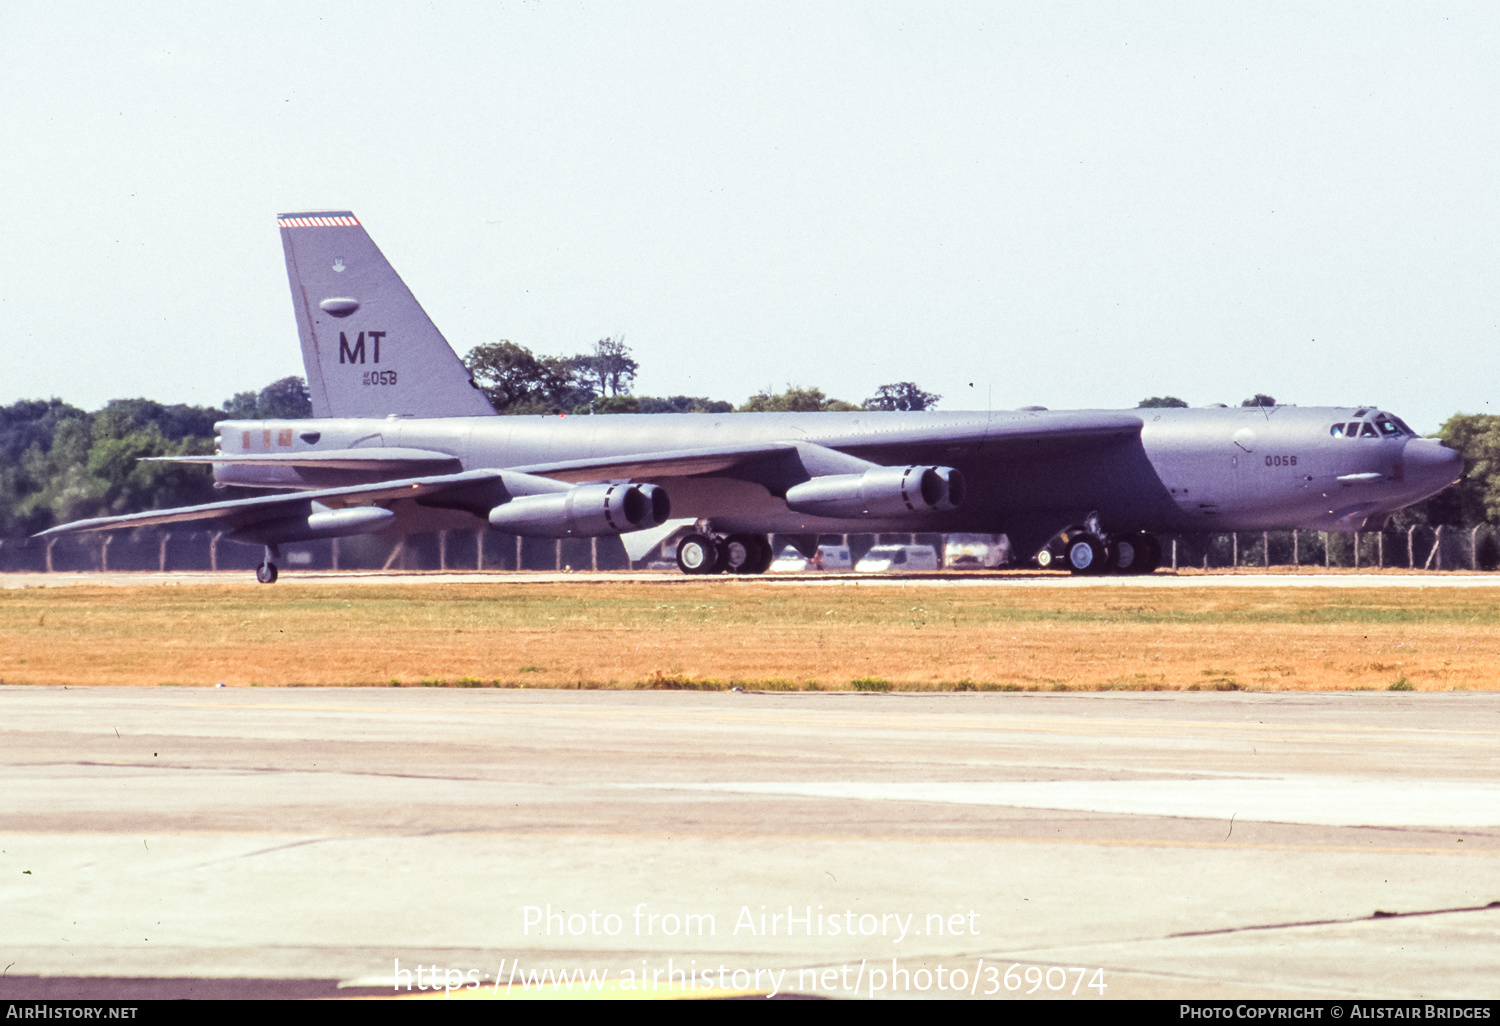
884 492
584 511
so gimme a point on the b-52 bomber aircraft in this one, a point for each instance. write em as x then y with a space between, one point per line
403 441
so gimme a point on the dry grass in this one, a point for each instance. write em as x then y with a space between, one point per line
727 633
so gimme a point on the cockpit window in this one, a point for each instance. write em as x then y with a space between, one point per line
1384 425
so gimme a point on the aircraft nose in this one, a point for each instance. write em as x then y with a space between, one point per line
1431 466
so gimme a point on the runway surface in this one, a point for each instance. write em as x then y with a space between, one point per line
1188 845
1310 578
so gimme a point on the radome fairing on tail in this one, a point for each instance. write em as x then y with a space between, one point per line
403 441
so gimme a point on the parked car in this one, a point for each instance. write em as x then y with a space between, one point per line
898 557
789 562
976 551
828 557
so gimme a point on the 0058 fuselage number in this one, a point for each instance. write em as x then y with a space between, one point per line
379 377
1281 461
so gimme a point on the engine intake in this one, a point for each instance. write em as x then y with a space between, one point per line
883 492
584 511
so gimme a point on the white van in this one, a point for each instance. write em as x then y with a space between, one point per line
905 558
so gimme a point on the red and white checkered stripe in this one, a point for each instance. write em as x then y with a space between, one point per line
342 221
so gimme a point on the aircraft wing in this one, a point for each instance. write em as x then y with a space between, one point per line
1017 436
235 513
1009 435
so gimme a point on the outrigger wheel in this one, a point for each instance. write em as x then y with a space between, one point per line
266 573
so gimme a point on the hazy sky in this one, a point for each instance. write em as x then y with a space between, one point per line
1076 205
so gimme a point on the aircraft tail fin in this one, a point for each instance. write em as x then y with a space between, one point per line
369 348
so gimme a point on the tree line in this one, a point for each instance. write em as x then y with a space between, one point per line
517 381
60 463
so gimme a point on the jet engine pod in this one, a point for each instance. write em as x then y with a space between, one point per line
584 511
881 492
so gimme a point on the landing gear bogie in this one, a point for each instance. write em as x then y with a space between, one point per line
736 554
1081 551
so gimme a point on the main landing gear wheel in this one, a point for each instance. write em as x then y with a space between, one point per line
1134 554
746 553
1147 554
698 554
1085 554
766 556
266 573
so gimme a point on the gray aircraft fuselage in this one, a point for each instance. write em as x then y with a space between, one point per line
1162 471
